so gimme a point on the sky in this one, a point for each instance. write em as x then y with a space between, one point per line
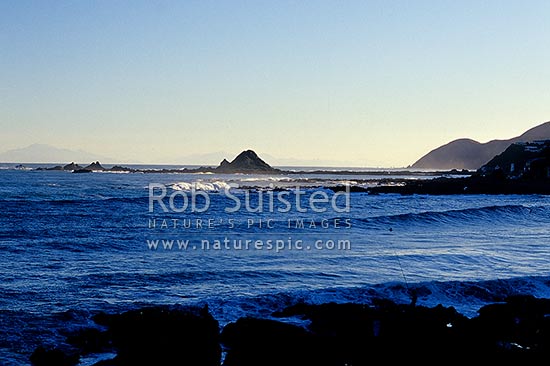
358 83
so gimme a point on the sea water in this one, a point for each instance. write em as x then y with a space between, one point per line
75 244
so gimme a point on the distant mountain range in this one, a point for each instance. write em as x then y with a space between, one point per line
458 154
471 155
42 153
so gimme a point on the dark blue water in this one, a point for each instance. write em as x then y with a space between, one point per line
73 244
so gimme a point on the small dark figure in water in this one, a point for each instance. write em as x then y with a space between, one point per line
414 297
204 311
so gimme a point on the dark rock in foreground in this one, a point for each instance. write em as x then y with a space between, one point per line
252 341
163 336
516 330
53 357
344 334
150 336
519 326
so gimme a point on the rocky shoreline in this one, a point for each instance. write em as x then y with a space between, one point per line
97 167
516 329
467 185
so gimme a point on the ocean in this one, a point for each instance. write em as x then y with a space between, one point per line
75 244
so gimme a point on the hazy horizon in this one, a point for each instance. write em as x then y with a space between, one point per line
359 83
207 159
47 154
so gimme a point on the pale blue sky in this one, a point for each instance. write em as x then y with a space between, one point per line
368 83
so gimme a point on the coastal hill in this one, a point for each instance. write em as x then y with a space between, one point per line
521 160
523 168
471 155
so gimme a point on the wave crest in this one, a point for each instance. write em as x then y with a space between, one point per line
468 215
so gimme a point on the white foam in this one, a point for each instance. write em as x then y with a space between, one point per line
216 186
112 171
466 297
347 182
93 358
267 179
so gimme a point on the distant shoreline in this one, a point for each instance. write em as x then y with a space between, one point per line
282 170
394 181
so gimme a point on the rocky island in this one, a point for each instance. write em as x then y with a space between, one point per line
246 162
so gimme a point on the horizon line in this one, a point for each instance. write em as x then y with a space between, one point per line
206 165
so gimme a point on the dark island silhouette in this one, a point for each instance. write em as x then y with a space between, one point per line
93 167
246 162
471 155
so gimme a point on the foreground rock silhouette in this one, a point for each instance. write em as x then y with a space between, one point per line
149 336
515 330
352 334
